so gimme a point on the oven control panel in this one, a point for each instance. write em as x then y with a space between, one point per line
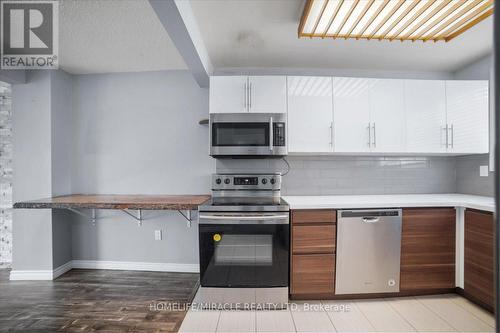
249 182
246 180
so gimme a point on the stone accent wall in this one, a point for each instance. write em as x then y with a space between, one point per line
5 174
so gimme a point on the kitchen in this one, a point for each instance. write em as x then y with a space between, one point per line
295 160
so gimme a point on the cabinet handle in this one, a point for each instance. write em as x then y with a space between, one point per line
446 135
331 134
245 98
369 135
374 136
452 135
250 97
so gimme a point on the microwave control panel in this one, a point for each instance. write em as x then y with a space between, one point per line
278 134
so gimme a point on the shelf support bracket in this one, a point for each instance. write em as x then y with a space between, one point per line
188 216
138 218
92 216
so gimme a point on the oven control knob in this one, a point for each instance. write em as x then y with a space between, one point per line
218 181
273 181
264 181
226 181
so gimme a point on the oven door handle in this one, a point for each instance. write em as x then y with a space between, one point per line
242 219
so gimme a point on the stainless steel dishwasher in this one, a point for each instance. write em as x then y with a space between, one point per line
368 251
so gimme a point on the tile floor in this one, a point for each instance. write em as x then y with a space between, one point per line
441 313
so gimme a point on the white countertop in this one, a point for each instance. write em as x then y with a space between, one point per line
391 201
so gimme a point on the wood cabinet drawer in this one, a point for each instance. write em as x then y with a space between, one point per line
313 274
302 216
309 239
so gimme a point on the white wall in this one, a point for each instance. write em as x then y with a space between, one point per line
347 72
139 133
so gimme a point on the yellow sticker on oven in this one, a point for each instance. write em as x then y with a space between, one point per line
217 237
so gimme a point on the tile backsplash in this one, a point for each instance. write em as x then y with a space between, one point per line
331 175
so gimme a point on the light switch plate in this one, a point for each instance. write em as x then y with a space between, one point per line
157 234
483 171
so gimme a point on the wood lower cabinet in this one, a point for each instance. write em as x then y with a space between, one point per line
428 249
479 257
313 253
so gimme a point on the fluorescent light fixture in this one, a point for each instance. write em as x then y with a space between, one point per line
425 20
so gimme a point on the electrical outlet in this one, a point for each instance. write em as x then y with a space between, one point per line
483 171
157 234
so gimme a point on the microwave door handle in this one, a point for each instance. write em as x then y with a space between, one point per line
271 143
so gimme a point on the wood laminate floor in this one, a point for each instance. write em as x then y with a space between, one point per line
96 300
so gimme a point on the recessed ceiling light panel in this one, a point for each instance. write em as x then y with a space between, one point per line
436 20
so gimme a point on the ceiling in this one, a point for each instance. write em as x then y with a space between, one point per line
257 33
113 36
102 36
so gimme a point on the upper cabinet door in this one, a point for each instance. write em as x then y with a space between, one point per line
310 114
228 94
267 94
425 116
387 115
351 114
467 115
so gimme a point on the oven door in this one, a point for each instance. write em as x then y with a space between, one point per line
243 134
244 250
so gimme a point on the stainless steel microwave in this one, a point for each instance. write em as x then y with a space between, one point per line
240 135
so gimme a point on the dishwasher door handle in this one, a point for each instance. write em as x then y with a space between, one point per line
371 219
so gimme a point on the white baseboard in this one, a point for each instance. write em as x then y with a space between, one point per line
31 275
136 266
62 269
20 275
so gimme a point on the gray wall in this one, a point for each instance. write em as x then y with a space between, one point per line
139 133
32 174
468 180
62 123
330 175
42 131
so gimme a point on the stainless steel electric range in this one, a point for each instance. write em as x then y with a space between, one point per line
244 237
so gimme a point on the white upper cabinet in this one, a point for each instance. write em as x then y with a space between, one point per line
387 116
351 114
234 94
228 94
425 116
267 94
467 116
310 114
362 115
